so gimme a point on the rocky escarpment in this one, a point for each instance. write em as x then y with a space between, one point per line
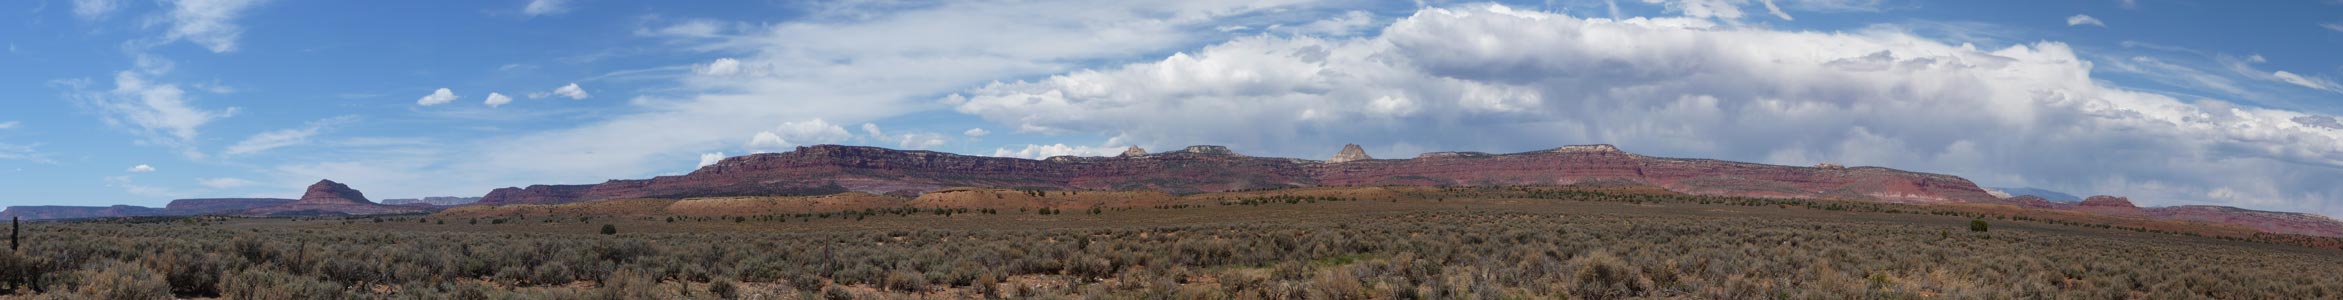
220 205
827 169
327 197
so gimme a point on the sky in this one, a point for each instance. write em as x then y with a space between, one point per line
2166 102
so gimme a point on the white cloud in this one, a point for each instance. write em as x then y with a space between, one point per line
1047 151
210 23
141 169
2336 26
437 97
720 67
160 113
1776 10
1349 23
286 137
792 134
711 159
224 183
572 91
497 100
23 152
1720 9
9 124
2080 20
2309 82
1518 81
909 140
546 7
976 132
94 9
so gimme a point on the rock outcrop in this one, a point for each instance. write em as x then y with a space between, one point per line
1134 152
827 169
1350 153
219 205
327 197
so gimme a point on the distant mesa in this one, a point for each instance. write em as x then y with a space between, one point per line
1606 148
326 198
433 201
1830 166
1350 153
1134 151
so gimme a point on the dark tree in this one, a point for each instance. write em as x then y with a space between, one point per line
608 229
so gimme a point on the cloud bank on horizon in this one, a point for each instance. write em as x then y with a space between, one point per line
2063 102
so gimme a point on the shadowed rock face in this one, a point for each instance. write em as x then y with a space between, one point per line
830 169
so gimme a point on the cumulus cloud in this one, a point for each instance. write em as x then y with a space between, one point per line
94 9
224 183
572 91
2080 20
546 7
437 97
720 67
909 140
210 23
972 132
711 159
160 113
286 137
1490 78
1047 151
141 169
497 100
793 134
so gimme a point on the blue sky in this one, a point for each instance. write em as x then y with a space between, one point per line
2169 102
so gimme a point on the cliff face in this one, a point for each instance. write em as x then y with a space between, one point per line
830 169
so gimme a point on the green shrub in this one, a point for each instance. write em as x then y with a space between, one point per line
608 229
724 289
1977 225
